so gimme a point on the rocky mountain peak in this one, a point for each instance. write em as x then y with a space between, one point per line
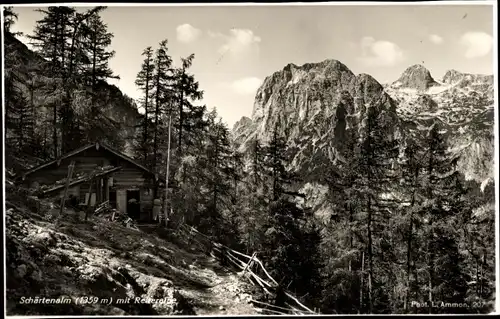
366 85
416 77
293 74
297 86
330 64
480 82
313 104
452 76
242 123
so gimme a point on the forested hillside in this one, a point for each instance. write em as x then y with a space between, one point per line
57 100
354 204
400 178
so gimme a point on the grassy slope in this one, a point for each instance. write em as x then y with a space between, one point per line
104 259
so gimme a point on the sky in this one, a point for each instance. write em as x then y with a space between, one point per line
237 47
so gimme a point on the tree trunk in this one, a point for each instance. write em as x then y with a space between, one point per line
33 113
94 58
361 282
351 239
54 131
408 250
62 42
157 113
168 170
89 200
21 130
146 100
67 118
94 75
181 113
477 275
54 64
370 257
431 266
66 187
408 263
481 272
216 166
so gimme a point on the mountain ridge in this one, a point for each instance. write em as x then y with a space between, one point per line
304 101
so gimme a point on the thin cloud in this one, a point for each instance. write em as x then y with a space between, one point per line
246 86
436 39
380 52
186 33
237 41
477 44
213 34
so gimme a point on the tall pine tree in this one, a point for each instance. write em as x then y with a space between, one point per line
144 82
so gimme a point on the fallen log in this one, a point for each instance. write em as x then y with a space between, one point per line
299 303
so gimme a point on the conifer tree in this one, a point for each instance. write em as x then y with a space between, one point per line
97 41
444 192
161 94
74 99
411 172
187 91
17 115
252 200
375 175
144 83
220 175
9 19
50 40
275 161
95 46
343 250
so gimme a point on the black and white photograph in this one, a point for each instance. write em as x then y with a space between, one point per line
246 159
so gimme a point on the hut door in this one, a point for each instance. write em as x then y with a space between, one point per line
112 198
133 204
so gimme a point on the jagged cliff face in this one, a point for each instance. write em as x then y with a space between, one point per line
478 82
463 105
314 104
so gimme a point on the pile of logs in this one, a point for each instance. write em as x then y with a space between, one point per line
105 211
103 207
